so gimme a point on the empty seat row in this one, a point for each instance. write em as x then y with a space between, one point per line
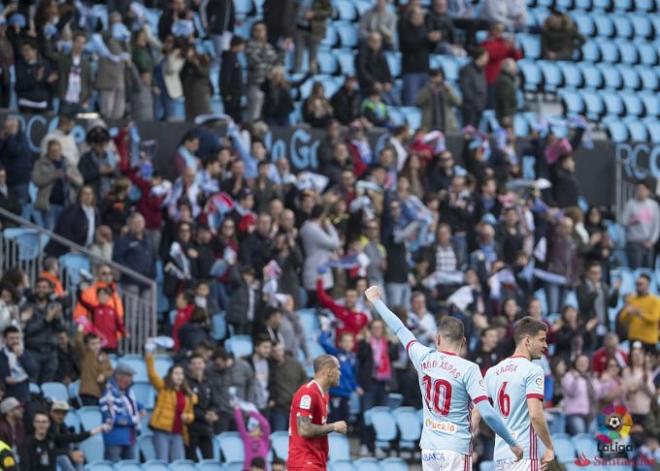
596 104
621 51
599 5
621 25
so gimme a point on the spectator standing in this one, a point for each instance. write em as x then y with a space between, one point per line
559 37
562 260
349 318
173 411
12 429
610 350
55 180
280 19
379 19
487 354
311 24
641 314
97 165
565 184
200 431
320 240
16 157
278 102
196 85
38 451
438 20
641 218
34 77
499 47
506 86
95 367
373 71
120 408
286 376
437 101
245 300
16 365
609 386
77 223
168 76
41 340
474 91
113 67
105 321
397 286
63 134
261 58
141 96
348 385
512 14
578 389
75 85
255 435
231 79
345 102
6 61
258 361
415 43
135 252
317 110
638 385
420 320
595 297
176 11
218 18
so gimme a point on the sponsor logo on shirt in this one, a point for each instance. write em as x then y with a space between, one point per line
440 426
306 402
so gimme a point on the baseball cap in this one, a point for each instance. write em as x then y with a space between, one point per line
60 405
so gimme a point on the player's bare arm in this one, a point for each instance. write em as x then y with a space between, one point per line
537 417
307 429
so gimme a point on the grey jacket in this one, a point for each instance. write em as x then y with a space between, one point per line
112 75
319 246
44 177
642 220
239 376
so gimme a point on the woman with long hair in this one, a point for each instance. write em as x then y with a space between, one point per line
173 411
578 388
317 110
638 384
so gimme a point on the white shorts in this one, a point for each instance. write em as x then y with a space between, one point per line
522 465
442 460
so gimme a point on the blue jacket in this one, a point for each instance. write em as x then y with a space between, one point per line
135 254
347 366
16 156
122 410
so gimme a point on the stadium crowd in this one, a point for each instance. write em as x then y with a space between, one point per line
233 232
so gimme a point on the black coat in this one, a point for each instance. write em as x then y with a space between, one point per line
371 67
204 393
239 300
280 18
28 83
472 82
365 359
414 46
71 225
442 23
565 188
220 16
345 106
278 102
231 78
20 391
16 156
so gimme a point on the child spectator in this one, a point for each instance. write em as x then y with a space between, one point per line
185 303
95 367
348 366
105 320
255 434
51 272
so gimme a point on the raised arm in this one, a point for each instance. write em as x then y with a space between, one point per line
154 377
393 322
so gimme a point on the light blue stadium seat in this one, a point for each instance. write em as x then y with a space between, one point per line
210 465
280 444
609 51
340 448
244 7
90 417
566 4
637 129
591 51
231 447
623 5
602 4
327 62
234 467
630 77
623 26
100 466
617 131
162 363
55 391
363 6
72 264
394 63
552 77
343 465
604 25
309 322
410 426
146 446
531 45
218 326
585 444
487 466
384 426
239 345
649 78
331 38
182 465
72 420
627 52
531 73
645 5
571 74
348 35
653 128
128 465
92 448
451 68
593 77
564 450
155 465
642 26
611 76
593 103
634 105
613 103
393 464
346 60
584 23
145 394
585 5
541 15
345 10
367 464
30 242
413 116
139 366
520 126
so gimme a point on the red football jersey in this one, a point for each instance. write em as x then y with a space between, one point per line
308 453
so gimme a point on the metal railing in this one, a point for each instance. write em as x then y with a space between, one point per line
138 293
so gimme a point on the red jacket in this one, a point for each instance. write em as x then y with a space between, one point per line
498 50
106 324
349 321
181 319
149 205
601 356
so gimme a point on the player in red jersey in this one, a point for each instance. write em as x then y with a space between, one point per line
308 431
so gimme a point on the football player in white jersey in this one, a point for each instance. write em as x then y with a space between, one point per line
515 385
451 387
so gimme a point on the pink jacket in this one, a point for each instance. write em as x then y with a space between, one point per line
253 447
576 394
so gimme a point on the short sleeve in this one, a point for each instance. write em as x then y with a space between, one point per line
474 383
305 405
416 352
534 384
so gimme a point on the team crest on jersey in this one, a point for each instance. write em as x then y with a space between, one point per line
306 402
539 381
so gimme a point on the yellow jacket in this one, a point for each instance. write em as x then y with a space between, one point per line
642 327
163 415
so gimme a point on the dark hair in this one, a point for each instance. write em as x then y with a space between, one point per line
477 52
646 276
49 263
199 316
103 289
262 339
488 329
189 136
270 312
221 353
10 329
451 329
169 384
258 462
195 356
89 337
436 72
527 327
236 41
317 211
44 280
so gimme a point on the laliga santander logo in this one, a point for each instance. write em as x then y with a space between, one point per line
614 423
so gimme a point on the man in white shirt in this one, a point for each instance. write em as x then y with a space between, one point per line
511 13
420 320
62 134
